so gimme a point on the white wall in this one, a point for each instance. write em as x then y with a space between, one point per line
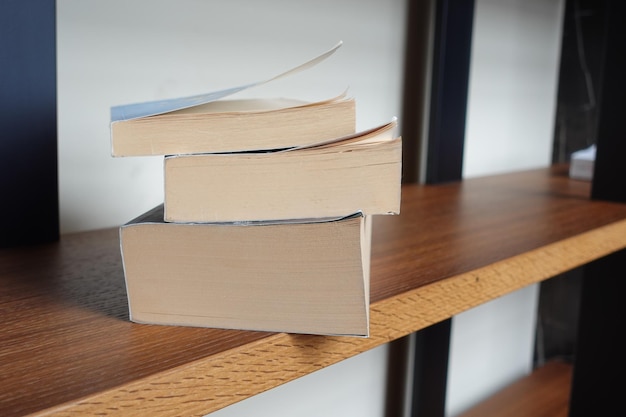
510 122
513 85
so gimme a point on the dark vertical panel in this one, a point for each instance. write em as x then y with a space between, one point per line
415 89
575 128
397 371
28 146
431 370
557 317
453 28
597 386
599 354
579 77
450 78
609 178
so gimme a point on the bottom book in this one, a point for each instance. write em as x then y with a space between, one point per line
309 276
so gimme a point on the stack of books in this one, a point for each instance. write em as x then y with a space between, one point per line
266 220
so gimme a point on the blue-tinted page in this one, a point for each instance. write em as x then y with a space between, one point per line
151 108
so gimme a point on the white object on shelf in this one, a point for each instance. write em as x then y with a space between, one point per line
582 162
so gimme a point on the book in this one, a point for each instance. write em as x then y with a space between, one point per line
300 277
582 163
209 122
235 126
359 172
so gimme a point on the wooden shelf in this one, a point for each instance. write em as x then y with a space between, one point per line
67 346
543 393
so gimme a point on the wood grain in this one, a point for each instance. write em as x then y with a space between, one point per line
543 393
68 348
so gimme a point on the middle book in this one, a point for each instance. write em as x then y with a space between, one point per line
360 172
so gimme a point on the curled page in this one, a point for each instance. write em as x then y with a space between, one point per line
151 108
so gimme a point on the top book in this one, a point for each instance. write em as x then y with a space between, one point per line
207 123
234 126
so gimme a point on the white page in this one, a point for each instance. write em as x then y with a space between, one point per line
151 108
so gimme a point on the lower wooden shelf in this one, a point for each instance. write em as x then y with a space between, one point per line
543 393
